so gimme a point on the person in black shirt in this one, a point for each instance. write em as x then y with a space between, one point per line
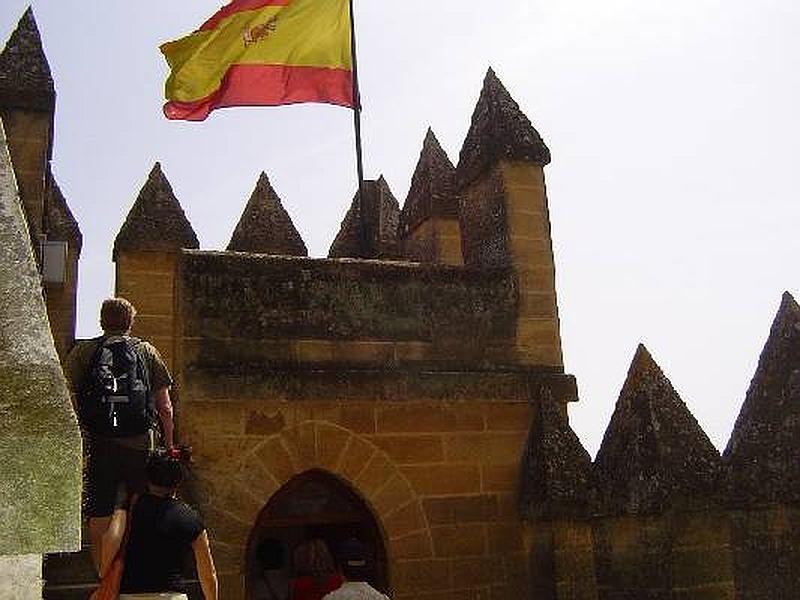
164 532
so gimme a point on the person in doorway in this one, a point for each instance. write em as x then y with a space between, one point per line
271 579
315 571
352 558
163 532
120 389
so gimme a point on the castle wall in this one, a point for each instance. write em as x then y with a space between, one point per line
766 552
397 378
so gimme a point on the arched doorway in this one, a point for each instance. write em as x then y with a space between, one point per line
314 504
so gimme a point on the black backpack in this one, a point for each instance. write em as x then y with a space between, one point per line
115 398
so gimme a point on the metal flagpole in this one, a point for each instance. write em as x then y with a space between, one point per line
357 127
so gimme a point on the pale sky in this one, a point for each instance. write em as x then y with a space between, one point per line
673 128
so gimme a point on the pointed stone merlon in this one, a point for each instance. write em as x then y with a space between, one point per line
146 253
762 453
505 220
374 236
554 501
659 487
27 105
40 443
654 455
265 227
429 227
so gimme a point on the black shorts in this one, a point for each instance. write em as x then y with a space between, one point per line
114 470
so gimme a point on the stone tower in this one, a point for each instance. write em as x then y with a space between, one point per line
505 220
27 107
146 255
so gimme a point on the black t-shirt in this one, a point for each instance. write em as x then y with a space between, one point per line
160 542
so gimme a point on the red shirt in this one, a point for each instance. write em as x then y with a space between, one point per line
304 588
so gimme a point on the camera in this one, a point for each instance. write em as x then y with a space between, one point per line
180 453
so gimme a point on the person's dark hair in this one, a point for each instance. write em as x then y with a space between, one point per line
313 558
116 315
164 471
351 556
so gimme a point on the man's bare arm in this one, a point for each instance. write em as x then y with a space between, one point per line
164 408
206 570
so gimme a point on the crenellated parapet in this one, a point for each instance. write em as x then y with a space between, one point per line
667 515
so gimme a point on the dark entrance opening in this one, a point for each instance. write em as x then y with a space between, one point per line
314 504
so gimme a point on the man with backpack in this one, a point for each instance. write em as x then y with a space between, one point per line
121 392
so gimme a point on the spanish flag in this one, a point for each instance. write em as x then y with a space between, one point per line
262 53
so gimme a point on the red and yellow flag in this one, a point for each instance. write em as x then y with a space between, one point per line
262 53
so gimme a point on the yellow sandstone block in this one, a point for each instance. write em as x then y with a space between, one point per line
411 449
413 546
459 540
484 448
277 459
405 520
331 442
394 494
421 575
433 480
355 458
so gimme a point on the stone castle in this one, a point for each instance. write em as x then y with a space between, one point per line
410 388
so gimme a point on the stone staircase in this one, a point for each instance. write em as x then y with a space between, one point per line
71 576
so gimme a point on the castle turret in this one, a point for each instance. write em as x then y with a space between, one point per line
145 253
265 227
659 484
762 458
27 105
429 228
62 295
554 498
381 217
504 215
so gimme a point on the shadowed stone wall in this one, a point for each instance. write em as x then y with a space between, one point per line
40 444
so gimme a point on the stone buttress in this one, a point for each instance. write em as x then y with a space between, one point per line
40 443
